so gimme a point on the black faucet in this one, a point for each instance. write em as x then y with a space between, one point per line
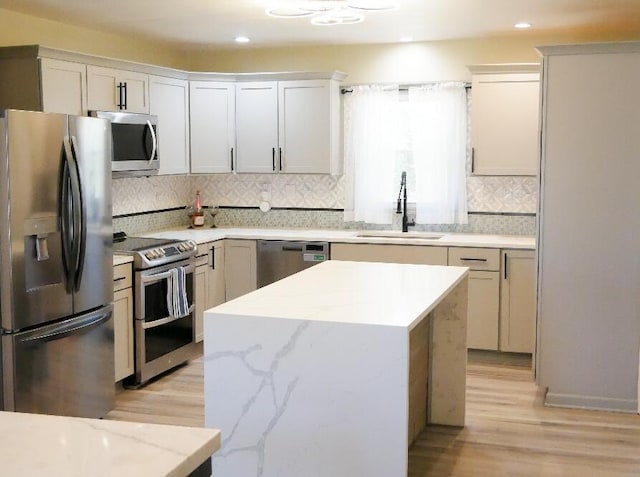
403 210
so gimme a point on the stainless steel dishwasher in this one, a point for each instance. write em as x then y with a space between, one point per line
278 259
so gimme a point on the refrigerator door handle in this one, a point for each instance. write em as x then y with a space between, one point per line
67 327
80 217
66 213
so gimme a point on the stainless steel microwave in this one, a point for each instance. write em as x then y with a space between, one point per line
135 143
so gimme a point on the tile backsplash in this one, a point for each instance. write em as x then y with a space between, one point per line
504 205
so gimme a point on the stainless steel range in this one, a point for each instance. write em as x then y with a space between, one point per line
164 306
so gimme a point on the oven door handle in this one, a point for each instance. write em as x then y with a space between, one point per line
163 321
164 275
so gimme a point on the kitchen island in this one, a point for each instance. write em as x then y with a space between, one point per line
334 370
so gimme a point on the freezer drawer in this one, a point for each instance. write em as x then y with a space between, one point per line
65 368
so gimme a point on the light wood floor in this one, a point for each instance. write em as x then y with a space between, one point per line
508 431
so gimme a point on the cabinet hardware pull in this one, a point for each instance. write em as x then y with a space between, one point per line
473 259
119 279
280 152
505 266
473 160
273 158
231 159
120 95
213 259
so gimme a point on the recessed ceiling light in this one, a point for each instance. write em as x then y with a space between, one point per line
242 39
522 25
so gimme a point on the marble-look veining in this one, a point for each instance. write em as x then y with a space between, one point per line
309 375
37 445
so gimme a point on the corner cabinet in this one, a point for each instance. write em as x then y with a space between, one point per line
240 270
123 321
209 281
111 89
64 87
213 129
169 101
505 103
517 301
288 127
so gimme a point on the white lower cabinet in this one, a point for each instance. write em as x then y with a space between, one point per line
517 301
123 321
209 282
484 294
418 254
239 267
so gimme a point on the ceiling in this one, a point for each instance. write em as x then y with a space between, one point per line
192 24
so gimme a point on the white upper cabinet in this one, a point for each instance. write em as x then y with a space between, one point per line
257 127
504 122
169 101
212 126
112 89
309 126
288 126
64 86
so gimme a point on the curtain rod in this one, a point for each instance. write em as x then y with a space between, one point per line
347 89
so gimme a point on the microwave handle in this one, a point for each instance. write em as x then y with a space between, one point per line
154 142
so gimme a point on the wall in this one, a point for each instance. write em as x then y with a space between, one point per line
19 29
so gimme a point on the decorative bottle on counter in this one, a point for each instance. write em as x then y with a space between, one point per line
197 218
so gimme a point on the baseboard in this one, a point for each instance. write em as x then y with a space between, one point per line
591 402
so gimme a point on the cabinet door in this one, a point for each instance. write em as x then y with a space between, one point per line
64 87
216 267
201 276
418 254
518 308
257 127
169 100
123 332
212 126
103 92
504 124
483 310
305 126
239 267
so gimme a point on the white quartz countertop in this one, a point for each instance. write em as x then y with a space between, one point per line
205 235
387 294
37 445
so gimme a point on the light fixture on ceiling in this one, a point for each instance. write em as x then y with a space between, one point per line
522 25
330 12
242 39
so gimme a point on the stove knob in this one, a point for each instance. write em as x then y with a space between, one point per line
149 255
161 252
192 244
181 247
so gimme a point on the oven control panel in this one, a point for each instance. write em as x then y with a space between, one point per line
170 253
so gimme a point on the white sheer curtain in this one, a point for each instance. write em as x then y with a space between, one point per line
438 124
371 124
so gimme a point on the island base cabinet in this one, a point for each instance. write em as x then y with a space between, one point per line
418 379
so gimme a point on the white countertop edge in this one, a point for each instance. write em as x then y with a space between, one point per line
48 440
204 235
121 260
288 299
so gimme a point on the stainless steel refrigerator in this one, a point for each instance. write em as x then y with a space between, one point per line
56 270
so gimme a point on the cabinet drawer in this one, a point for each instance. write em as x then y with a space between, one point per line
475 258
122 276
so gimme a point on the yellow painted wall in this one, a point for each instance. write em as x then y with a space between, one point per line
19 29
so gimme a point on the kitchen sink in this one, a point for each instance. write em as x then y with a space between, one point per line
403 235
